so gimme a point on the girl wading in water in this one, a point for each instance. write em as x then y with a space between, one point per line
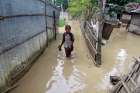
68 40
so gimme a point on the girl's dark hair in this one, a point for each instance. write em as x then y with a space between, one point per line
67 27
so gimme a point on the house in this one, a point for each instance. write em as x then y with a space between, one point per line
134 10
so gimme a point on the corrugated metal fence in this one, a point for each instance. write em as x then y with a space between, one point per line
26 26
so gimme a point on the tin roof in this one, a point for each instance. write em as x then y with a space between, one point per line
132 8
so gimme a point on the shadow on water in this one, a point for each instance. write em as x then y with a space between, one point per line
65 79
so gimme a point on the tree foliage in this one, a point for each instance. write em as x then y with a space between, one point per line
138 1
59 2
122 2
77 7
118 6
64 3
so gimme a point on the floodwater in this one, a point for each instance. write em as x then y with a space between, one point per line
53 73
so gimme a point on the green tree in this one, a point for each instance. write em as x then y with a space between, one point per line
121 2
64 3
59 2
117 6
77 7
138 1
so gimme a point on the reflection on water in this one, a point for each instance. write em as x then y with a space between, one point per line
67 75
122 55
58 82
117 56
117 70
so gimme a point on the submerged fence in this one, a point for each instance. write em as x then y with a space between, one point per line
92 32
26 26
130 82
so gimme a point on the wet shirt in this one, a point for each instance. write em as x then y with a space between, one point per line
68 40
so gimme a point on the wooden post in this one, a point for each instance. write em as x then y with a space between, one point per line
54 24
99 45
46 23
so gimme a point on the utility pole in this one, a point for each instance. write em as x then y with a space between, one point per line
46 23
101 23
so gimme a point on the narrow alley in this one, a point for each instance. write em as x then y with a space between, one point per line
53 73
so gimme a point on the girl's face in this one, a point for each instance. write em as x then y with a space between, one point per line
67 30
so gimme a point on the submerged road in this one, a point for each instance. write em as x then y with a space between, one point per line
53 73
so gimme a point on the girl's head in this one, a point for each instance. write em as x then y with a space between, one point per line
67 28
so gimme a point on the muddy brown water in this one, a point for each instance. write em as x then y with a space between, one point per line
53 73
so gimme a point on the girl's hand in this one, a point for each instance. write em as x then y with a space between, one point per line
59 47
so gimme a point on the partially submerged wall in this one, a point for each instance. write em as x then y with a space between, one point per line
26 26
135 24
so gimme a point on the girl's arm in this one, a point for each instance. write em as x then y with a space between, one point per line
63 40
72 38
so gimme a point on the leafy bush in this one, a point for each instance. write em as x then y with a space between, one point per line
61 22
122 2
77 7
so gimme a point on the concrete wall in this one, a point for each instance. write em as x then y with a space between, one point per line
135 24
23 35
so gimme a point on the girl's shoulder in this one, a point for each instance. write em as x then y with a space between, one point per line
67 33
